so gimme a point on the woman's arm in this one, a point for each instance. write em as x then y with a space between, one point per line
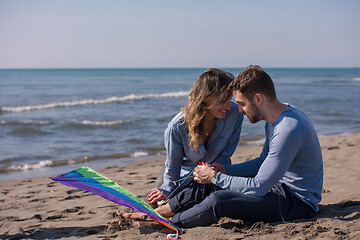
174 156
230 147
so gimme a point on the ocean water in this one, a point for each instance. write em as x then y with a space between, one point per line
53 121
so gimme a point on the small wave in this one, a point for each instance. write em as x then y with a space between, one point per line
71 161
96 123
59 163
356 79
30 166
86 124
131 97
256 142
251 141
139 154
26 123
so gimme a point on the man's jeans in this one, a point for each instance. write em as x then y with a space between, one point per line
205 204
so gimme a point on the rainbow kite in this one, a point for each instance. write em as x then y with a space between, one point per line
87 179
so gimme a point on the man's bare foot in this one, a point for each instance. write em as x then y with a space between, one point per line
134 216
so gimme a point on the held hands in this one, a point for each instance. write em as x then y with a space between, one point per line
204 172
155 195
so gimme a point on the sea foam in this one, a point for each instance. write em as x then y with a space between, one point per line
31 166
139 154
131 97
98 123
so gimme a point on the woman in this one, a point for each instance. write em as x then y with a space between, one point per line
206 130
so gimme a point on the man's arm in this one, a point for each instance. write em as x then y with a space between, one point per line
283 147
249 168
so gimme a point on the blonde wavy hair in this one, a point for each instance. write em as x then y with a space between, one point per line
211 84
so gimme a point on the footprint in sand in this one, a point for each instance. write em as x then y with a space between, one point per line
73 210
73 191
38 216
52 184
5 191
56 216
70 197
82 232
29 196
33 192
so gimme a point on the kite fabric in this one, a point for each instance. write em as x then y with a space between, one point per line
87 179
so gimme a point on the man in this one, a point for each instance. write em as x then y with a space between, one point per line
284 183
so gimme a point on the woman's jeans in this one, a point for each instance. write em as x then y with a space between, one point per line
204 204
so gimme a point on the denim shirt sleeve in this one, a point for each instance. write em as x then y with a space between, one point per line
175 153
224 156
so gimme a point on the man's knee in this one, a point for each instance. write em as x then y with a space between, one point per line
217 199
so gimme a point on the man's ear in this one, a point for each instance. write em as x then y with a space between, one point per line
258 98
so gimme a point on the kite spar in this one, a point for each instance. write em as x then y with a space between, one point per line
87 179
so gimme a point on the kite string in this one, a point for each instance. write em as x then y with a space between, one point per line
168 197
183 179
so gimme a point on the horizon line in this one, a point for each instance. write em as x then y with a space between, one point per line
125 68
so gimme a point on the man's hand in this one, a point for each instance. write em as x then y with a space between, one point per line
219 167
203 174
155 195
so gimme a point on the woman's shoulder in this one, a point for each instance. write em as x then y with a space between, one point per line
177 121
176 126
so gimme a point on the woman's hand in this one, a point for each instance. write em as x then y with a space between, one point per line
155 195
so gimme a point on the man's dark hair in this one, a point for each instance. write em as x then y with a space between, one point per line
252 80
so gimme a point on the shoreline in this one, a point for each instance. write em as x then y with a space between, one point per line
47 171
39 208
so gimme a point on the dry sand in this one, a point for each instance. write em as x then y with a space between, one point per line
39 208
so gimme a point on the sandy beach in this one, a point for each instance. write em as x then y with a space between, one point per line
39 208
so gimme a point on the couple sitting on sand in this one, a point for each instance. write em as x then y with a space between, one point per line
199 185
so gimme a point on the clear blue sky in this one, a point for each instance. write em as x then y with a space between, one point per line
194 33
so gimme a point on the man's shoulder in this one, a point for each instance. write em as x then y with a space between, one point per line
294 121
290 121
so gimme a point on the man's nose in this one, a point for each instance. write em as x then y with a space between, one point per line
241 110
